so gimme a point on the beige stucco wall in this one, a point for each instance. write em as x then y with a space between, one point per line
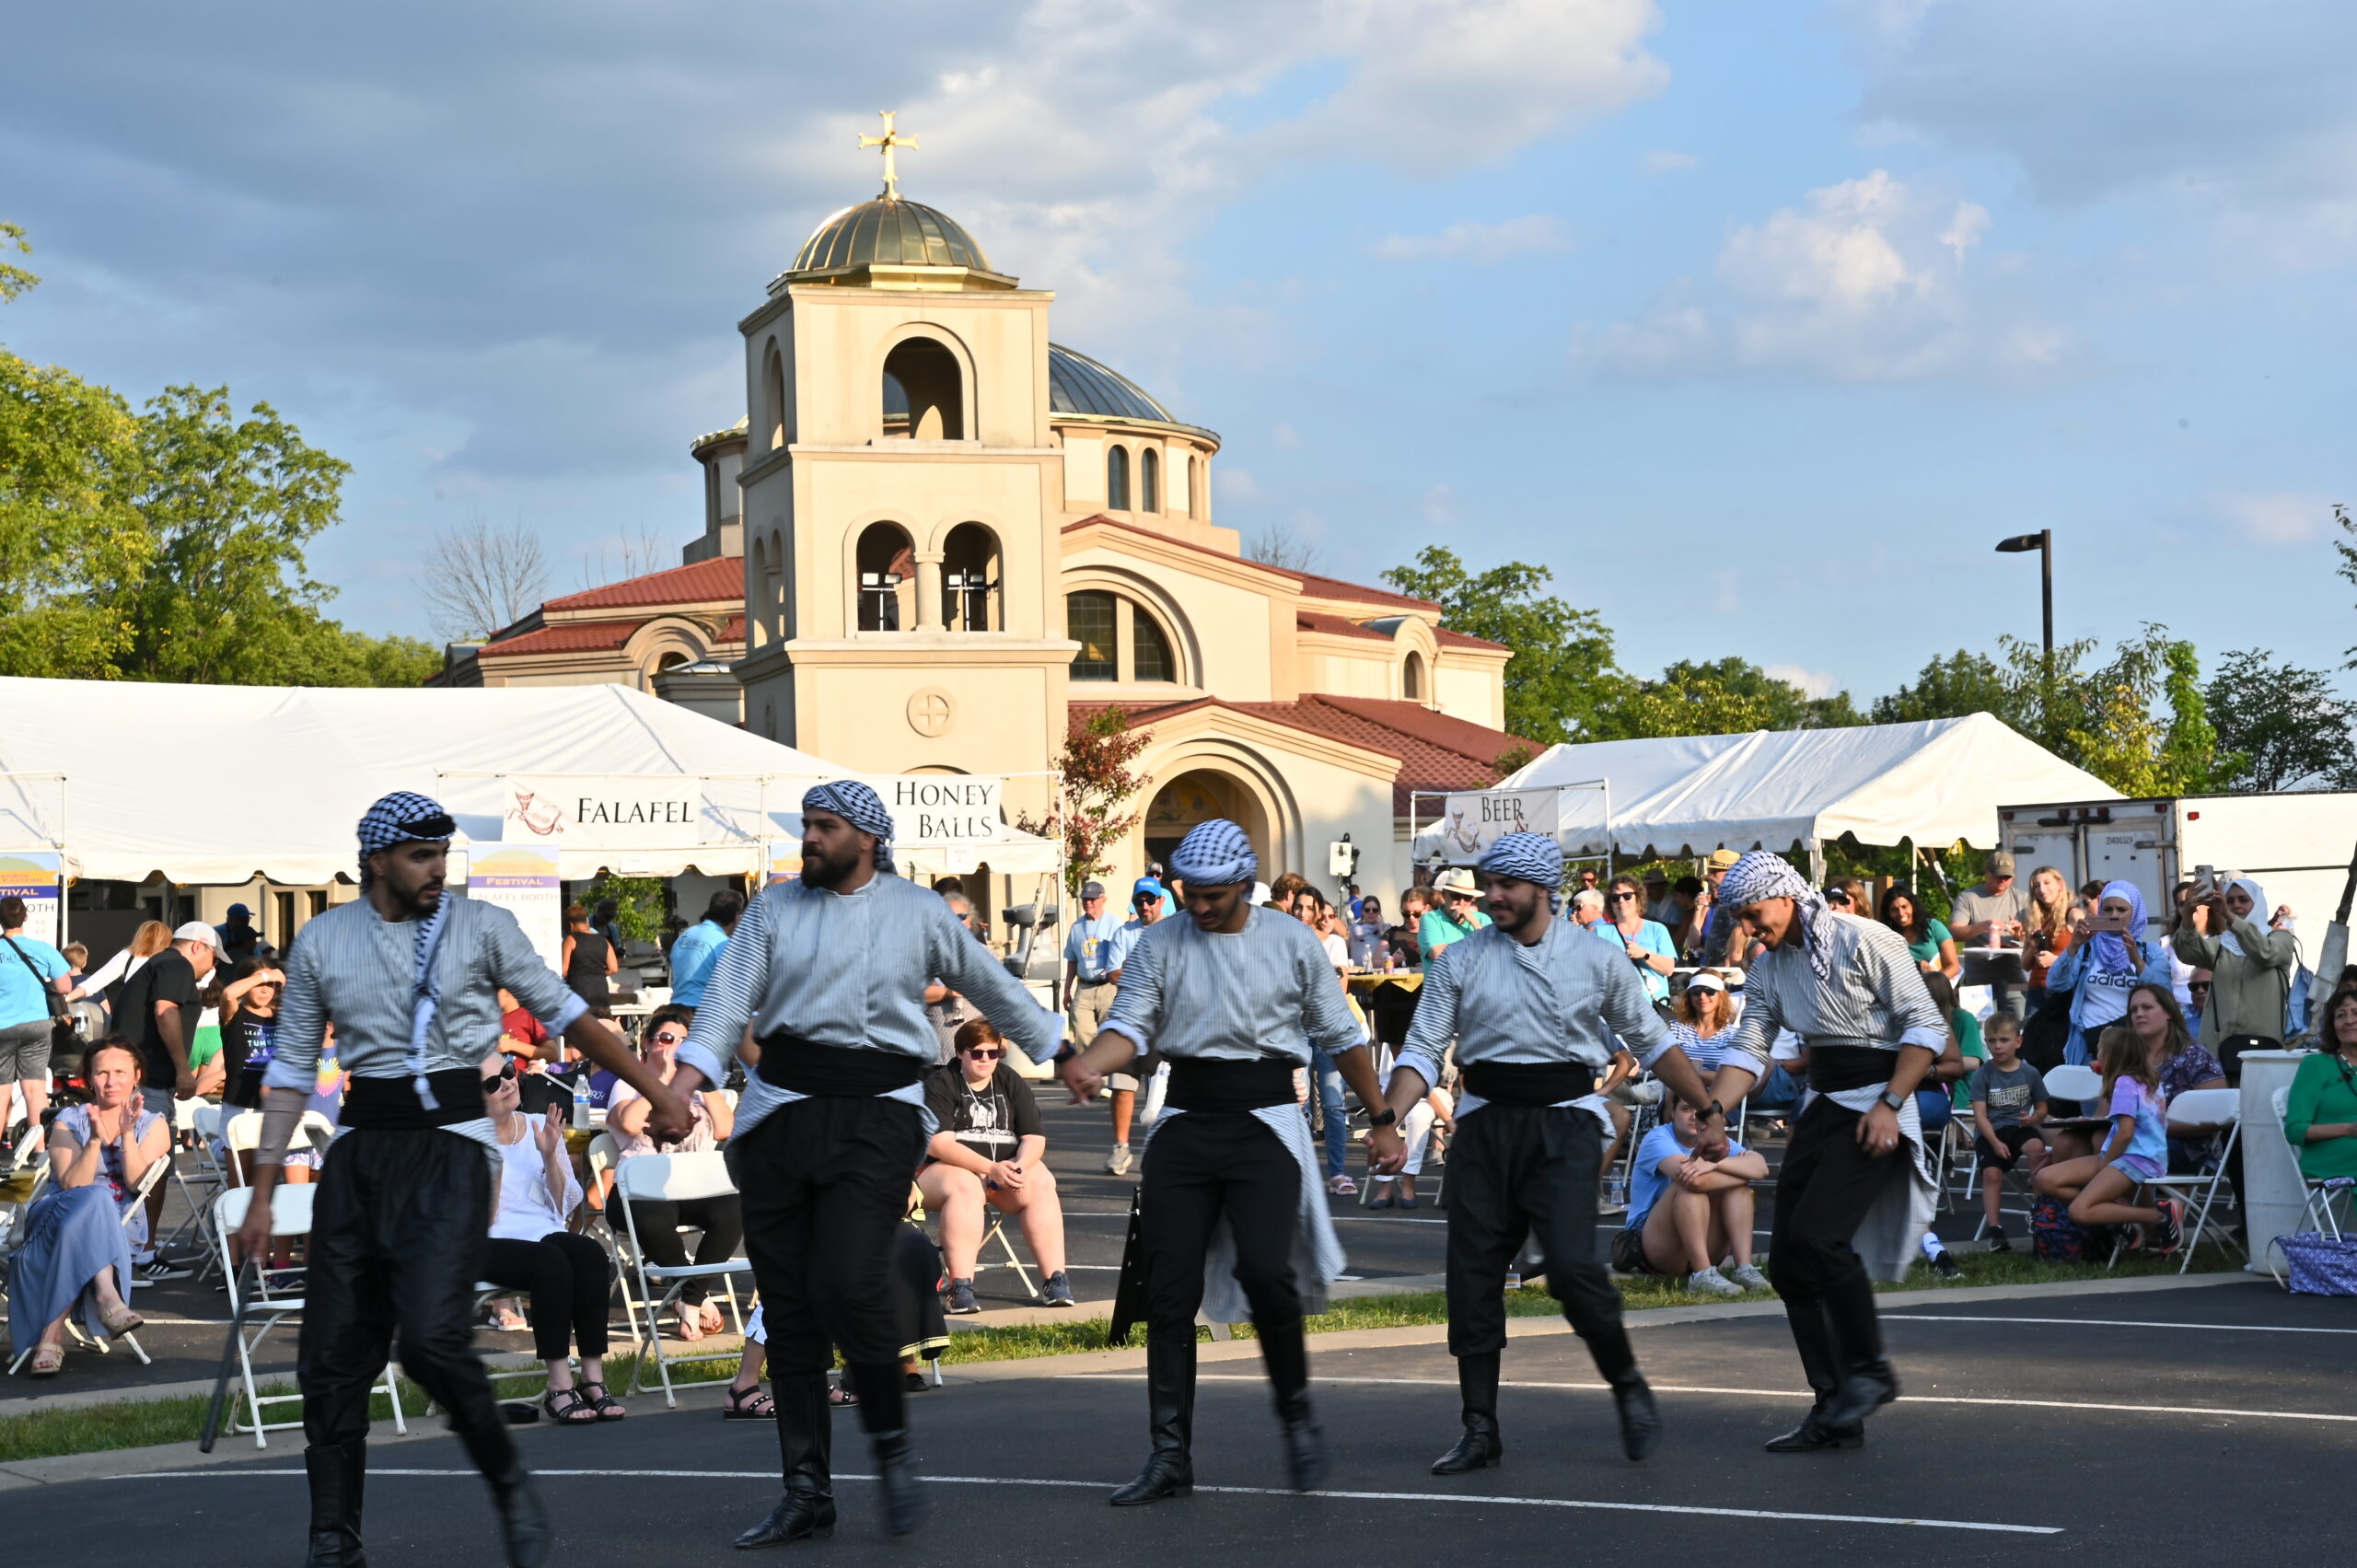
1472 691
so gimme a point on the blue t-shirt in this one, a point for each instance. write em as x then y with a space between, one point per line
1085 946
2150 1141
692 958
1654 937
20 998
1646 1183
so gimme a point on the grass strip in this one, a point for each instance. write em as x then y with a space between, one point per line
138 1423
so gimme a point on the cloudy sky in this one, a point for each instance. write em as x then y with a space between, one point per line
1757 321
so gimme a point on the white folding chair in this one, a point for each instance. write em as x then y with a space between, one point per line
290 1215
677 1179
2078 1082
2318 1191
2194 1114
199 1123
242 1134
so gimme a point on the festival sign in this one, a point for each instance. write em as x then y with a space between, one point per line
523 879
1472 822
604 812
36 876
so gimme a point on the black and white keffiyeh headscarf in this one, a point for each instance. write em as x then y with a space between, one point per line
1214 854
1761 875
403 817
1527 857
860 806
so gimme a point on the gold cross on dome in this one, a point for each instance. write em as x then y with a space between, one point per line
890 141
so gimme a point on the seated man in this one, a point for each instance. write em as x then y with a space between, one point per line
989 1151
75 1245
1685 1214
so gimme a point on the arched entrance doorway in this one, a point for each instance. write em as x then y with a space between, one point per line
1198 795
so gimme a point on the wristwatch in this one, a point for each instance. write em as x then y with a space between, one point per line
1896 1101
1383 1118
1709 1111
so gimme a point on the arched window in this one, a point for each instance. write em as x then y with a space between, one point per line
1194 471
772 399
757 626
886 572
969 580
1149 480
1088 618
1117 479
1120 640
924 392
1411 676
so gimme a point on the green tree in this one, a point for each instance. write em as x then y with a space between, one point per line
1097 783
1955 686
1725 696
1562 667
2139 723
2279 726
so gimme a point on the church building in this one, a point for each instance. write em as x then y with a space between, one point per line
938 539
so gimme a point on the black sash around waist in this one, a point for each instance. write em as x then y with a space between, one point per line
1530 1083
1833 1068
805 1067
391 1104
1202 1083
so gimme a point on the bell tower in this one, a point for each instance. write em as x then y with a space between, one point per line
901 495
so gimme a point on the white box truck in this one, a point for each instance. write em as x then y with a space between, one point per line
2297 846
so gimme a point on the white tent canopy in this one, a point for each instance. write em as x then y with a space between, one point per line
218 785
1933 784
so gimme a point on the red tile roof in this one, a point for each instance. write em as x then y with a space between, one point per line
720 578
1435 751
566 637
1312 584
1448 639
1335 625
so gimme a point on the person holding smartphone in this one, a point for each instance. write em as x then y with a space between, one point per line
2250 968
2109 956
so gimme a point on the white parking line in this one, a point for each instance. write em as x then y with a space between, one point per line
2109 1323
771 1475
2007 1403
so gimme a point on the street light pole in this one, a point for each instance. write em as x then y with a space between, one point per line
2043 542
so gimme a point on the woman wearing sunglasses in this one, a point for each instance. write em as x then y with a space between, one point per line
530 1247
990 1151
720 1218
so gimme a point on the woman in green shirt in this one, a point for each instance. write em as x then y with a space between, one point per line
2321 1113
1930 942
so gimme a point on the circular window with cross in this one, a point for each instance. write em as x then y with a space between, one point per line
933 712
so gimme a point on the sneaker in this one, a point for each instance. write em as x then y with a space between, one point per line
1997 1242
2169 1235
165 1268
961 1302
1948 1268
1118 1162
1710 1282
1749 1276
1058 1292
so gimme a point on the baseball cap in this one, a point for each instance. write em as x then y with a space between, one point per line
1722 860
1091 889
2000 862
197 931
1705 980
237 910
1146 887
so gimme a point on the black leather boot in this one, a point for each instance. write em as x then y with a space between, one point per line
338 1472
805 1440
1813 1338
896 1468
1866 1388
1285 1350
1170 1404
1640 1418
525 1528
1477 1384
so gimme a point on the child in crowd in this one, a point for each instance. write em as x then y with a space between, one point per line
1686 1213
2008 1099
2137 1150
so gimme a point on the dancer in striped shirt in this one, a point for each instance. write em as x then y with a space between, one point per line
1231 1214
1856 1190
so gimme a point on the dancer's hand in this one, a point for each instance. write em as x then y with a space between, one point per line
1387 1151
1083 1080
1878 1130
669 1116
1711 1139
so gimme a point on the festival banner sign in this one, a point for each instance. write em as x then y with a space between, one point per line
36 876
604 812
522 878
1474 820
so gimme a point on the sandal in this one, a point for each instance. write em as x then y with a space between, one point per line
749 1404
601 1398
507 1321
840 1397
567 1407
690 1324
713 1321
120 1322
1343 1187
47 1361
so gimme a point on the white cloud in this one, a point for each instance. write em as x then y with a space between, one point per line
1664 161
1812 682
2278 517
1864 281
1534 234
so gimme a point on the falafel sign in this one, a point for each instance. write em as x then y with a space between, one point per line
604 812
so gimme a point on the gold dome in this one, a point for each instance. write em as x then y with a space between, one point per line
893 243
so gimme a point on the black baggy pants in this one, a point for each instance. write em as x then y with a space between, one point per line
1824 1191
400 1230
825 1181
570 1280
1200 1167
1514 1171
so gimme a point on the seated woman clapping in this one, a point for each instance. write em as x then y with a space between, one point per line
566 1275
989 1152
77 1248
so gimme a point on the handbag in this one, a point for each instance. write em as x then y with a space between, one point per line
2319 1264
